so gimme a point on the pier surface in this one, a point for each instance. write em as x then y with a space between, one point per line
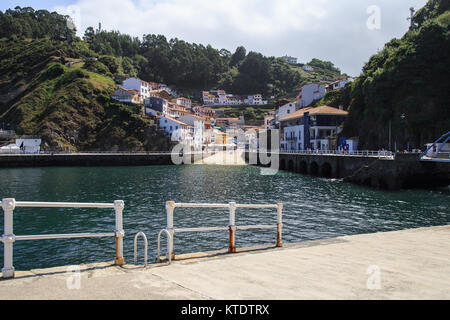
409 264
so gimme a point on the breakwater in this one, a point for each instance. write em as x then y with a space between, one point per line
403 171
85 159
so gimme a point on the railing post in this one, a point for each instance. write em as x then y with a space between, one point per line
8 238
170 206
232 228
279 224
120 233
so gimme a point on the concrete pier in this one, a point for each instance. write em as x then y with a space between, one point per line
404 171
409 264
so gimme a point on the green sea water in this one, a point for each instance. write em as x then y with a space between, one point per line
313 208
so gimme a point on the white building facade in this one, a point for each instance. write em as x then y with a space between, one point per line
141 86
177 130
310 128
309 93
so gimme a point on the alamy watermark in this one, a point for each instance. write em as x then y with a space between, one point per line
73 281
74 16
374 20
374 280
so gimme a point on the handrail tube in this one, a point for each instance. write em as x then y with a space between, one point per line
26 204
262 226
201 205
64 236
9 238
257 206
206 229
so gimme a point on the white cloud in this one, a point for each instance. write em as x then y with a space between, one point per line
326 29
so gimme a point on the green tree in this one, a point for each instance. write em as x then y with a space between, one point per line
238 56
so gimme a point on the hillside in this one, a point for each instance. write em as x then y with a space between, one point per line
49 88
69 108
406 84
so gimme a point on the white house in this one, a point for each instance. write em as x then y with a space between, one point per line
220 97
199 124
255 99
27 145
269 120
184 102
307 68
176 110
290 59
127 95
156 106
339 84
285 110
143 87
208 99
310 128
309 93
204 112
177 130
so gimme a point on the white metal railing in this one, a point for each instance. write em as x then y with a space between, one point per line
9 237
232 206
367 153
6 152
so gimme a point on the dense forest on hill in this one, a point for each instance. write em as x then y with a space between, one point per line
68 107
405 84
199 67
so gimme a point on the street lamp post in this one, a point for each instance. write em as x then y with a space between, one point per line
390 130
403 117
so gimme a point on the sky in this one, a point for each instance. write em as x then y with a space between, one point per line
345 32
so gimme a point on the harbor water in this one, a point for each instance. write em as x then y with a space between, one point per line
314 208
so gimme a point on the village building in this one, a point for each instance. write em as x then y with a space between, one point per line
285 110
176 130
203 111
269 120
255 100
310 128
289 59
127 96
309 93
220 97
230 123
156 106
339 84
28 145
184 102
143 87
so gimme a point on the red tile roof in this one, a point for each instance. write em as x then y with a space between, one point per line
322 110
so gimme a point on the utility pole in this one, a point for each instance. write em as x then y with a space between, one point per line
390 123
410 18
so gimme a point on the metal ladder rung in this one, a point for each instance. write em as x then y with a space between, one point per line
145 247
